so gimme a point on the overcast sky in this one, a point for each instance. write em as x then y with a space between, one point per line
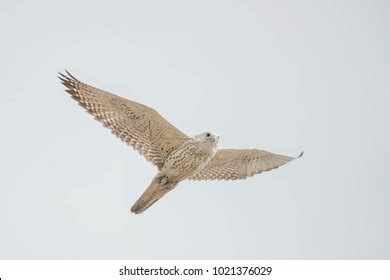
284 76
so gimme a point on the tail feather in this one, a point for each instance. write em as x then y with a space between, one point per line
151 195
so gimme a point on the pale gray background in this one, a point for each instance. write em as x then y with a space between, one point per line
285 76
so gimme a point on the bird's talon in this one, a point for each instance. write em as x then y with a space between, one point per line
164 181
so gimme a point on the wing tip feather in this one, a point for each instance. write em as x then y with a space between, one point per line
66 78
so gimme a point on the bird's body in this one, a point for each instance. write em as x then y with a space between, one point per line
183 162
177 156
190 157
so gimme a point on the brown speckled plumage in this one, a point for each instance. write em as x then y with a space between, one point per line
141 127
176 156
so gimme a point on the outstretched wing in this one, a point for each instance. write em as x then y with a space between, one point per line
233 164
138 125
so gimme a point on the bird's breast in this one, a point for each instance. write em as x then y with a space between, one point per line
186 161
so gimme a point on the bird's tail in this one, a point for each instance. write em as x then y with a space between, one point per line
151 195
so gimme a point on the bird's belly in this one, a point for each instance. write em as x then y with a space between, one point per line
178 169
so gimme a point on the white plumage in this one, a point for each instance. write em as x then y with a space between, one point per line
176 155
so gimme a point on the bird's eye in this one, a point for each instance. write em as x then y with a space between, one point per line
208 134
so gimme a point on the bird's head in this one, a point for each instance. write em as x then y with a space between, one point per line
208 137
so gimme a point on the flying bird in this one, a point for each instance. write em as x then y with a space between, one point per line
177 156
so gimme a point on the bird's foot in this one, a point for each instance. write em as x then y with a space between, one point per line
164 182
